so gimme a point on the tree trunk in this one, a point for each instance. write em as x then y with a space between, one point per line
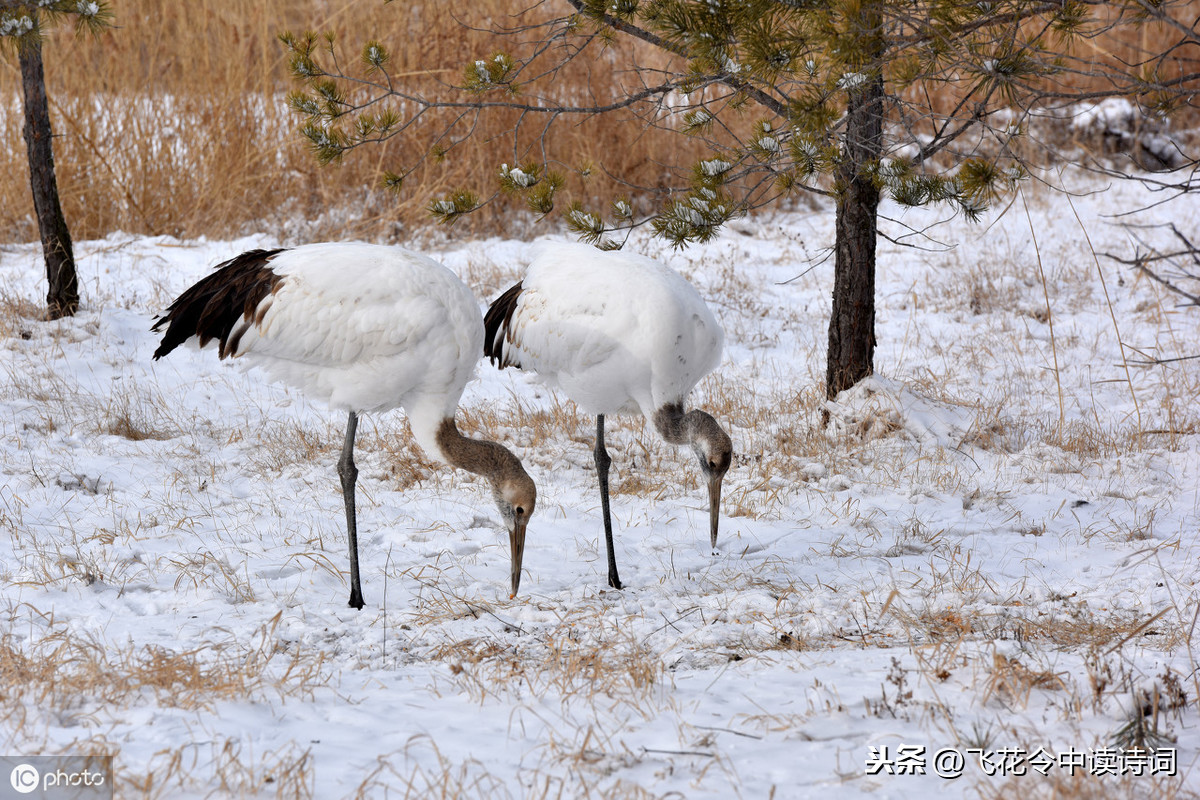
62 297
851 354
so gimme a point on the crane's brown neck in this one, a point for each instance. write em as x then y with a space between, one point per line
480 456
679 427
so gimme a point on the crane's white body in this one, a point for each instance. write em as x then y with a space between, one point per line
367 328
363 328
617 332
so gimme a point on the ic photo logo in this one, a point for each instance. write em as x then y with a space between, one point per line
25 778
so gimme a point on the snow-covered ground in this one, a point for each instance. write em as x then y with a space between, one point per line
991 547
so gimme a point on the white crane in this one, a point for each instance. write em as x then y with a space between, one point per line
363 328
617 332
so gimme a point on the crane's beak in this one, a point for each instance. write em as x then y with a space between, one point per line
714 505
516 538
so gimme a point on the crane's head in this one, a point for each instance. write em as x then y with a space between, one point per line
714 449
515 495
512 488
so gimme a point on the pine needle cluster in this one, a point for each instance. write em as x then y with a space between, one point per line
23 21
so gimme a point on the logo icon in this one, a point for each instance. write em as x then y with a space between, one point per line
25 778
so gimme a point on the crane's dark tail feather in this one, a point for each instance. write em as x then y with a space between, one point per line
212 308
496 331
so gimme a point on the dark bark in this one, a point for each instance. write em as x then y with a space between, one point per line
851 354
62 296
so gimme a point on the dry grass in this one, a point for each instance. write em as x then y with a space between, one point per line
546 433
225 767
1012 682
577 665
220 767
403 775
79 674
175 123
1085 786
127 418
17 313
446 780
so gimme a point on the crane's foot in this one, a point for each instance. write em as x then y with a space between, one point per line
614 581
356 601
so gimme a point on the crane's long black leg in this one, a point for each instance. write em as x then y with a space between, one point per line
602 462
349 475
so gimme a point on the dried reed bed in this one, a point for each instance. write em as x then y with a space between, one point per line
174 123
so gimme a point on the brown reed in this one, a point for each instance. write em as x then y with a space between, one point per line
175 123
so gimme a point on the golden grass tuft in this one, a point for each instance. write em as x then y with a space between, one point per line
1012 682
77 674
220 767
579 661
445 780
128 420
17 313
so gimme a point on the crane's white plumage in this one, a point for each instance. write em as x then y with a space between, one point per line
617 332
363 328
367 328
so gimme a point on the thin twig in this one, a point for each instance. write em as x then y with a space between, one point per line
679 752
1062 412
728 730
1112 314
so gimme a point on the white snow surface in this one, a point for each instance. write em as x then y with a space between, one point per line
984 501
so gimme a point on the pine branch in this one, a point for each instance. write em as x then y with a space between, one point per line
759 96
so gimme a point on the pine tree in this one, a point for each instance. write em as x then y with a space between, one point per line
21 23
919 101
